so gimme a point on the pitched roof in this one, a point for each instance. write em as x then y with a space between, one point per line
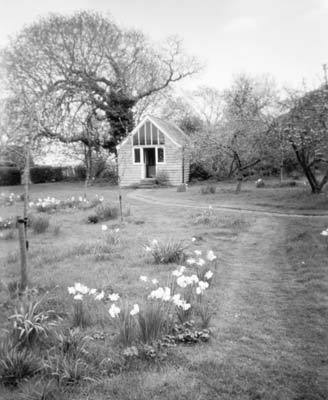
172 130
168 128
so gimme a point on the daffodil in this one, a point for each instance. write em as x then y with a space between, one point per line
208 275
100 296
78 296
114 311
135 310
81 288
210 255
154 281
200 262
143 278
324 233
191 261
198 252
71 290
104 228
113 297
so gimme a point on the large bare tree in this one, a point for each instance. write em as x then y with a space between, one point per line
86 63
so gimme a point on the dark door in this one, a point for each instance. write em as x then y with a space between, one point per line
150 162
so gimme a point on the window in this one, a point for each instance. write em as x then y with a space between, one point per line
160 155
155 135
137 158
148 133
142 136
135 139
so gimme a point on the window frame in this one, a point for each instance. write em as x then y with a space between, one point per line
134 148
164 155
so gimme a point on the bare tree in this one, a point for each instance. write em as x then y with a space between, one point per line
304 125
86 60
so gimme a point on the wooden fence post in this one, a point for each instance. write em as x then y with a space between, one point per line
23 252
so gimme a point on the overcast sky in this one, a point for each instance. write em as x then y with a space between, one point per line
286 39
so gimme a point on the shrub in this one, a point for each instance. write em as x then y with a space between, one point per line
39 224
171 251
109 174
208 189
16 364
198 171
103 212
46 173
9 176
80 172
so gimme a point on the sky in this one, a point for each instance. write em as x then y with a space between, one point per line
284 39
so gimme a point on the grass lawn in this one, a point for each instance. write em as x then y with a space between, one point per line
271 197
268 296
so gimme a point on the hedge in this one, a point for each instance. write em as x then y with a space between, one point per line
9 176
46 173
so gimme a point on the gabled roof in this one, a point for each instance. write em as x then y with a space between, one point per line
172 130
168 128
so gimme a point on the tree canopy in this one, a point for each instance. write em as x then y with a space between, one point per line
75 67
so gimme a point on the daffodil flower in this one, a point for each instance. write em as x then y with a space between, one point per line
104 228
78 296
113 297
198 252
210 255
71 290
208 275
135 310
143 278
114 311
100 296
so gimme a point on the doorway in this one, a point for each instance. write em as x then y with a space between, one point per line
150 162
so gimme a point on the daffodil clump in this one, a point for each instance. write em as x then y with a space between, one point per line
161 308
6 223
9 199
51 204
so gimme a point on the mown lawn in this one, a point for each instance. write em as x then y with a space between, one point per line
271 196
268 296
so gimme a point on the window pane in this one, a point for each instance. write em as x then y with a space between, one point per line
160 155
142 136
161 138
135 139
148 133
137 155
155 135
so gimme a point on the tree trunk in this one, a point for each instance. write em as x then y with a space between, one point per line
239 182
88 168
27 176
